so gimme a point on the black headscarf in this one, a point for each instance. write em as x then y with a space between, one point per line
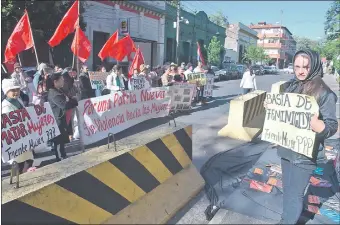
316 71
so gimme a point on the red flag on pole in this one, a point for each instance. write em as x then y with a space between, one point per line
10 66
122 48
137 61
66 25
81 46
105 51
199 54
20 40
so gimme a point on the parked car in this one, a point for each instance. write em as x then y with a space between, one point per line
258 70
274 70
267 70
235 73
223 74
241 69
216 76
288 70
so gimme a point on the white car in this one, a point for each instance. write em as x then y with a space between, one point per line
274 70
289 70
216 76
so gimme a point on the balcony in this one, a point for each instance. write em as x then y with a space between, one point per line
270 35
269 45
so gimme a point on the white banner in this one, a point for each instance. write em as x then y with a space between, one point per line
209 85
181 96
287 121
119 111
27 129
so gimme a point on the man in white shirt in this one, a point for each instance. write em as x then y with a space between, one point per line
188 71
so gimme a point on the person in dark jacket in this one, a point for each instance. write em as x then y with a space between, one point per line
85 87
60 103
297 169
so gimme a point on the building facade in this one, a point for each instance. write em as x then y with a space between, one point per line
238 38
277 41
200 29
144 23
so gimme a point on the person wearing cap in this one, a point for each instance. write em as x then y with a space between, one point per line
168 76
22 79
11 88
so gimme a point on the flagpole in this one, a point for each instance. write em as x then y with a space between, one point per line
77 47
35 50
19 59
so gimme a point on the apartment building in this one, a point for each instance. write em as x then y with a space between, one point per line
277 41
238 38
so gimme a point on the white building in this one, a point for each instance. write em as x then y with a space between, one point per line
145 24
239 37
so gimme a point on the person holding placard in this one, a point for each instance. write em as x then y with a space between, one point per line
11 89
115 81
297 169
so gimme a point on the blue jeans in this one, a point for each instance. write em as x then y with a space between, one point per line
295 180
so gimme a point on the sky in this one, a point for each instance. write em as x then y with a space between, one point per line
302 18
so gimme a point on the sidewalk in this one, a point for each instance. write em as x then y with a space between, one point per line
330 80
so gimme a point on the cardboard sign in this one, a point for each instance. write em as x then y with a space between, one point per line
100 76
97 84
139 83
197 78
181 96
287 121
120 110
26 129
209 86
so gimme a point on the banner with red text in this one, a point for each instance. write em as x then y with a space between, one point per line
27 129
120 110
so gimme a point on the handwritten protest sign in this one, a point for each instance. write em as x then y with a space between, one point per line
98 75
97 84
26 129
209 85
181 96
287 121
139 83
120 110
197 78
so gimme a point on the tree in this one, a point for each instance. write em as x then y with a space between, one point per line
332 25
44 16
214 51
219 19
254 54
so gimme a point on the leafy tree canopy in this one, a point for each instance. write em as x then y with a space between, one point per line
214 51
219 19
332 25
254 54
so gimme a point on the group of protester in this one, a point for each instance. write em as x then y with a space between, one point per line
63 88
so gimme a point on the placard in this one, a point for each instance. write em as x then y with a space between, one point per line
197 78
181 96
97 84
25 129
287 121
209 86
98 75
120 110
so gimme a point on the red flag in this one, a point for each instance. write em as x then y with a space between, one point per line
199 54
10 66
105 51
66 26
137 61
122 48
81 46
20 40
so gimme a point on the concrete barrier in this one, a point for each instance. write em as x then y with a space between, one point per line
148 184
278 87
246 117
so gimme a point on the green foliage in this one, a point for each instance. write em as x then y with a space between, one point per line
254 54
306 43
44 16
214 51
332 24
219 19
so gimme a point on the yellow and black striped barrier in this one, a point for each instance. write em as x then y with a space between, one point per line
145 185
246 117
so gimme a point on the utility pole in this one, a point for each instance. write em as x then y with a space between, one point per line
277 60
177 31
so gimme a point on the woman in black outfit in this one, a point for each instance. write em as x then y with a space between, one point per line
60 103
296 168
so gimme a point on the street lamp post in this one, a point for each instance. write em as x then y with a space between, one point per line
179 20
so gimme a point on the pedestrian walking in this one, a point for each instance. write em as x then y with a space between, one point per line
248 82
11 89
60 103
297 169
